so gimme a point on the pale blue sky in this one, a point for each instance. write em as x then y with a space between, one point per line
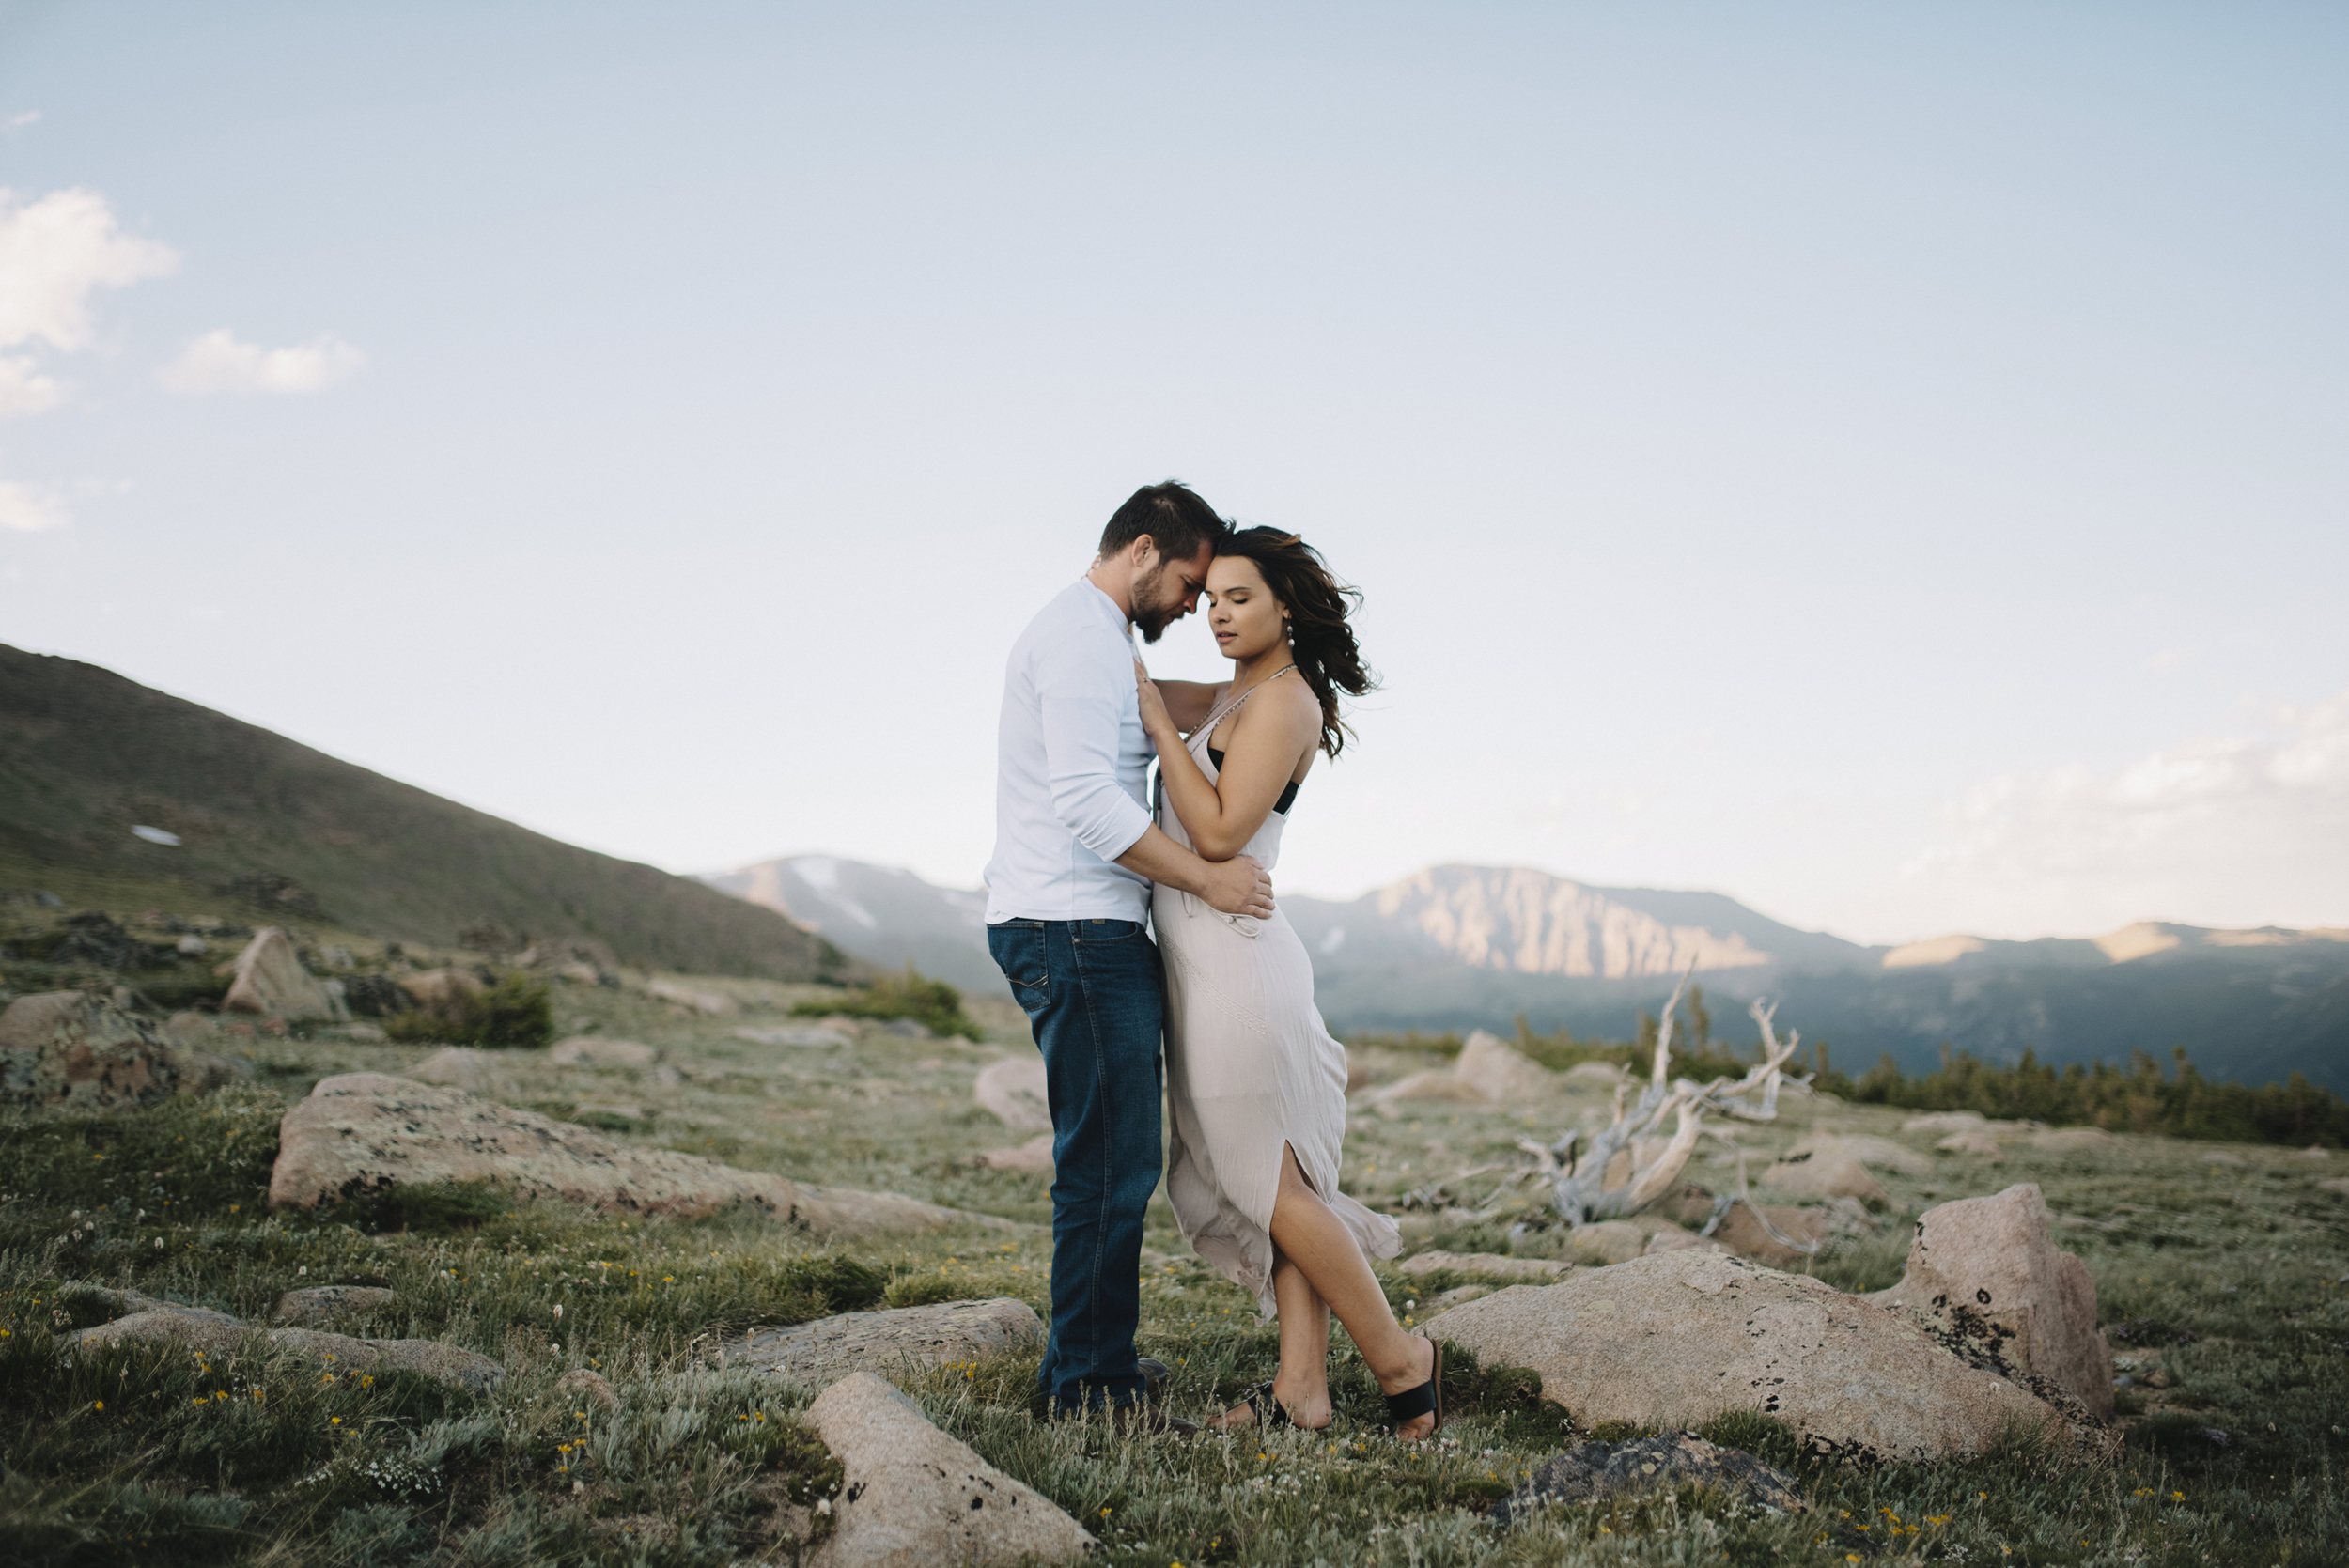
1882 462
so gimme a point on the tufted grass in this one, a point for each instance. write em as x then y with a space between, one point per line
251 1459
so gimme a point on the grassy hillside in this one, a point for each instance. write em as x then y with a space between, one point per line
2217 1274
271 829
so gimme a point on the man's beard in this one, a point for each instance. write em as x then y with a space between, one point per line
1152 615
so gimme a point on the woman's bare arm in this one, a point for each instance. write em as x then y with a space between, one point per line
1269 738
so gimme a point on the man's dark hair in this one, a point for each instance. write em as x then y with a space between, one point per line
1177 522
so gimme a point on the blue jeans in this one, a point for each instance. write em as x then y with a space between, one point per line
1097 1001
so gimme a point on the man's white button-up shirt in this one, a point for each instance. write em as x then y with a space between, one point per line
1070 764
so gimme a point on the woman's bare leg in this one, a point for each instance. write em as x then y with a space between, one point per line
1302 1383
1317 1242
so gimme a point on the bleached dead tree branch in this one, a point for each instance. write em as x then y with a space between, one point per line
1578 1174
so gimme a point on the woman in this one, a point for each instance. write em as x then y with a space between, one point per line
1256 1084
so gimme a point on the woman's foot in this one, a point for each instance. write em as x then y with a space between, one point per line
1423 1369
1266 1405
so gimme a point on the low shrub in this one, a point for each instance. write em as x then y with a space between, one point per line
932 1003
516 1014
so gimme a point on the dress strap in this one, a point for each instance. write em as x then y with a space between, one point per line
1232 704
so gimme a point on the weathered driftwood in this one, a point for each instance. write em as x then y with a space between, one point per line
1578 1174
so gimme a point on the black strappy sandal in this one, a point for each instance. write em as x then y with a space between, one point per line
1269 1411
1412 1403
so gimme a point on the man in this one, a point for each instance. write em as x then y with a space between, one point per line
1068 895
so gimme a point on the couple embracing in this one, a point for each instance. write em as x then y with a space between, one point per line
1087 864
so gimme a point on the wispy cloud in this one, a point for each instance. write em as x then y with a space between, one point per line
31 509
218 363
55 252
2227 830
25 390
18 122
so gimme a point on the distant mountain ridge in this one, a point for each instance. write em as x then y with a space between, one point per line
238 818
885 916
1462 946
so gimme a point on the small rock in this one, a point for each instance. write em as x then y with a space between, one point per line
1034 1156
586 1386
319 1304
433 987
1499 1073
270 983
1979 1144
1015 1090
2335 1184
812 1355
796 1034
191 945
1603 1075
123 1303
915 1498
2316 1151
908 1029
716 1005
1742 1232
461 1067
1490 1265
188 1028
1984 1277
1831 1174
1456 1296
1609 1241
2067 1141
1946 1121
1880 1153
1669 1237
1597 1470
2220 1156
585 1051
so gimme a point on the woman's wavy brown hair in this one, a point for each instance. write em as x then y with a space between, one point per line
1319 604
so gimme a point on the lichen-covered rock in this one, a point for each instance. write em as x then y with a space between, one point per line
270 983
1984 1277
1608 1241
1597 1470
1013 1090
1499 1073
1034 1156
585 1051
1830 1173
1742 1232
366 1132
69 1051
914 1497
456 1066
317 1304
587 1388
1880 1153
217 1335
1485 1266
945 1334
1680 1338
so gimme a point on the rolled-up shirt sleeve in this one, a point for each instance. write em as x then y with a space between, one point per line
1083 697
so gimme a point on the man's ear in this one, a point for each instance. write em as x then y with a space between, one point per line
1145 552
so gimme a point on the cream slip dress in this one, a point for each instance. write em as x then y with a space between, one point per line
1249 1065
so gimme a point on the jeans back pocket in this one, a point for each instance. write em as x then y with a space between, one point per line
1018 949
